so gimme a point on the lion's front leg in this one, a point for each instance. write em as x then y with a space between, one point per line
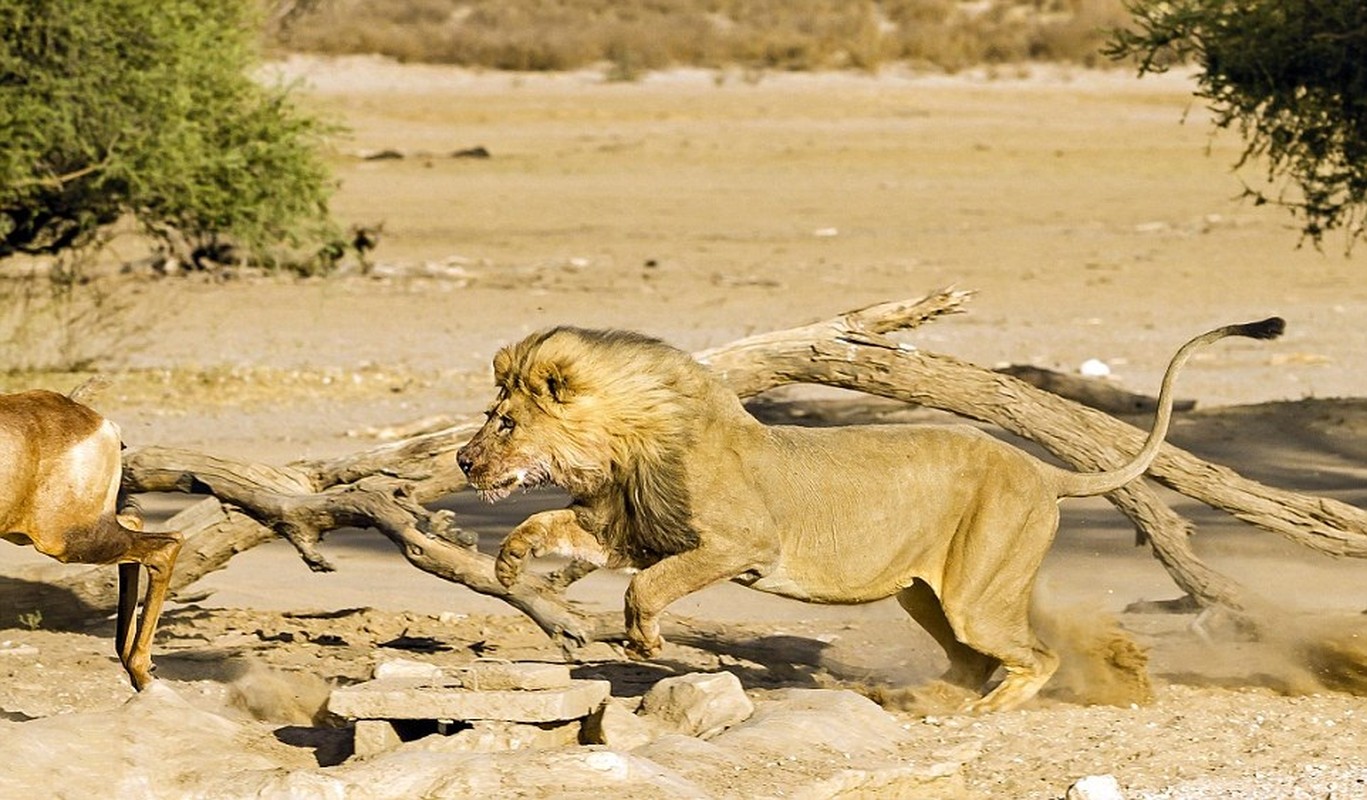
643 630
652 590
547 533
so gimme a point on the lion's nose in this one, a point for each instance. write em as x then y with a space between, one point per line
464 462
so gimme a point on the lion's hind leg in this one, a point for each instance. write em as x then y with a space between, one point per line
986 599
968 668
1025 676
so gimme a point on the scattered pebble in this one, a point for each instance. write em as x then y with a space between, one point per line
1094 368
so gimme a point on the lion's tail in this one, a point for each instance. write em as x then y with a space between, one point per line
1084 484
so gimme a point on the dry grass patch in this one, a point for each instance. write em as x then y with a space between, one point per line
240 387
66 320
633 36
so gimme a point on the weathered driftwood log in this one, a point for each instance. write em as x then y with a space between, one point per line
1089 392
385 487
306 500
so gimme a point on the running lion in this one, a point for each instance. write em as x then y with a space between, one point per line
669 475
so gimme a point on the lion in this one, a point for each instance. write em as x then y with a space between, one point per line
669 475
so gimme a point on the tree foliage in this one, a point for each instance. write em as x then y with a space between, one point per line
1291 77
147 109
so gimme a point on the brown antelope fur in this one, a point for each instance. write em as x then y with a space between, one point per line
60 470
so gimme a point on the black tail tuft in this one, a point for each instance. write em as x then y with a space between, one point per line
1269 328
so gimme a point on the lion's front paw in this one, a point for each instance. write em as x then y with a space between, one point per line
638 650
643 629
511 556
643 640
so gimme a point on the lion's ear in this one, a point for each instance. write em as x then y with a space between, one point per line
503 364
548 379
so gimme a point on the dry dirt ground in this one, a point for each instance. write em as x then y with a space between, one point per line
1094 214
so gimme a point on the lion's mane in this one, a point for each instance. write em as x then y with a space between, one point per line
623 407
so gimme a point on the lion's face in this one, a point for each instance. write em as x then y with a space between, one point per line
581 409
533 435
508 452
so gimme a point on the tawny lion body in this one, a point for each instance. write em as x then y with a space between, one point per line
670 475
60 470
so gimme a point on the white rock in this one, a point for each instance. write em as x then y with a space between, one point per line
447 698
1094 368
698 704
818 744
618 727
499 675
406 668
1095 787
571 772
804 718
15 649
371 736
156 739
606 761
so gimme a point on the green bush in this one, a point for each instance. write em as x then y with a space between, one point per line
1291 77
146 109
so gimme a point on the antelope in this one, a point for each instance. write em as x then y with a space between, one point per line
60 473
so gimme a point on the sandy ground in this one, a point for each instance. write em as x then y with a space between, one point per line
1092 220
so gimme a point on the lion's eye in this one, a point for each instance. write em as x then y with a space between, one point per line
506 423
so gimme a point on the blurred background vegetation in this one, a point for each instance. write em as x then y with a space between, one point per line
636 36
152 116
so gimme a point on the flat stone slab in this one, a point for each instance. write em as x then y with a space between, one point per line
495 675
448 698
481 674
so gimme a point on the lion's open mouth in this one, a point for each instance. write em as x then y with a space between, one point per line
519 479
497 491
